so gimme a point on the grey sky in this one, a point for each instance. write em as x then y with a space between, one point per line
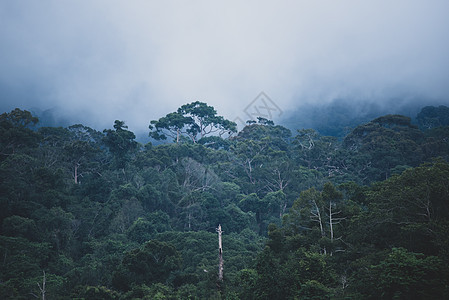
98 61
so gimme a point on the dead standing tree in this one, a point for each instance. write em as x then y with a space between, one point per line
220 255
42 287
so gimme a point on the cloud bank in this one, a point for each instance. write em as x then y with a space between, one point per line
97 61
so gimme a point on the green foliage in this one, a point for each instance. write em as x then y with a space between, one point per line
95 292
430 117
246 279
384 143
19 227
303 217
16 134
22 265
151 263
407 275
120 143
191 120
315 290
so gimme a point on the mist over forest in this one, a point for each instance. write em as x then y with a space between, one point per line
335 118
224 150
94 62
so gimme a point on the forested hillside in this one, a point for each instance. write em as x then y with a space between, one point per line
86 214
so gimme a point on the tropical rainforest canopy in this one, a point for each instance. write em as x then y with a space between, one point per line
86 214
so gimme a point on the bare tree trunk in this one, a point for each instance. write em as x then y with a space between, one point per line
317 216
220 255
330 221
333 220
189 218
282 209
76 173
42 288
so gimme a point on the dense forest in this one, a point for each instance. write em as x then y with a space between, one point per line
86 214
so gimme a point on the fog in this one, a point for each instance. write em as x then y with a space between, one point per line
97 61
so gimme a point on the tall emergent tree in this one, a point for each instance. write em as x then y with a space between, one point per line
16 132
195 121
121 143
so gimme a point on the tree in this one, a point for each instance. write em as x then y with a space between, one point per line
316 211
191 120
407 275
332 196
206 120
22 266
173 125
249 155
16 226
383 144
16 132
79 153
430 117
151 263
85 133
19 118
321 153
247 280
277 135
436 143
408 209
289 274
220 254
120 142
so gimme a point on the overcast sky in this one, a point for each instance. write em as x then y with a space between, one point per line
98 61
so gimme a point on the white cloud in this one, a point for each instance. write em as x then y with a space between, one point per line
138 60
